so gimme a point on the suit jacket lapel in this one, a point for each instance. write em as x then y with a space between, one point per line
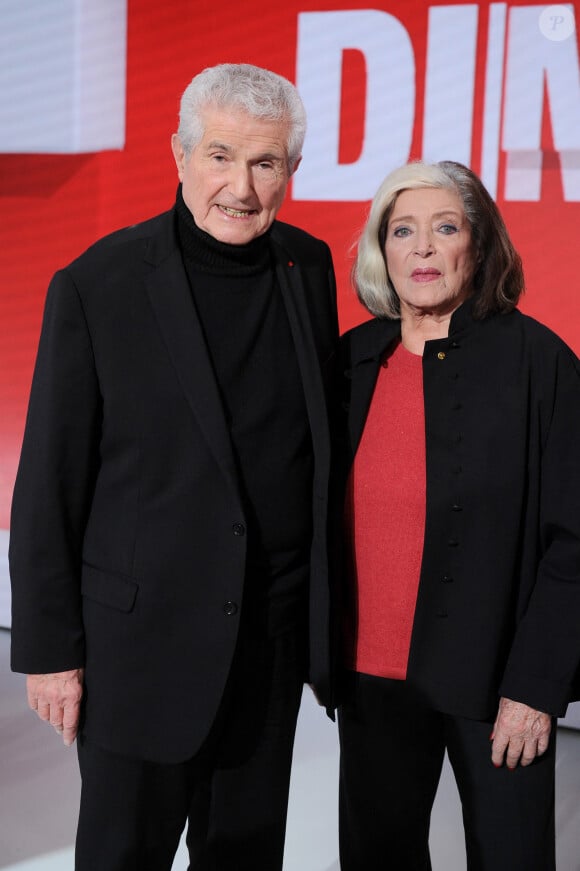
293 293
173 306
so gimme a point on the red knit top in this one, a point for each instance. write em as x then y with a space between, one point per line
385 512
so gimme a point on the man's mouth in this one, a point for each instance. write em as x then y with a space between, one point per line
236 213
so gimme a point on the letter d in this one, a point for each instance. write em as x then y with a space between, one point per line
390 101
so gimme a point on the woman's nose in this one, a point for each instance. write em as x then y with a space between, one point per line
424 244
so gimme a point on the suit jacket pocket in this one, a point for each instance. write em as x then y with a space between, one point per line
107 588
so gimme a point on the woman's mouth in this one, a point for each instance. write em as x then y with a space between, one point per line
425 274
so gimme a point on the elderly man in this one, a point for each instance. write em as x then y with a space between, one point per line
168 538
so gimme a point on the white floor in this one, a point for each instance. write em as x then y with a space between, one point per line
39 789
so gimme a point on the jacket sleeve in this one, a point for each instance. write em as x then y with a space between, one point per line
545 653
53 490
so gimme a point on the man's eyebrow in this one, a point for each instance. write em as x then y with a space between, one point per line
268 155
222 146
215 143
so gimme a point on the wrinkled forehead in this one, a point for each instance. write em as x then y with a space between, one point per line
236 129
426 199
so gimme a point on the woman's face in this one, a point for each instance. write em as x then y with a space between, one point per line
429 252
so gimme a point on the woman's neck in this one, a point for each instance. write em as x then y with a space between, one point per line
420 327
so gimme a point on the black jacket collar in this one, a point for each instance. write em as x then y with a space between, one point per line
370 340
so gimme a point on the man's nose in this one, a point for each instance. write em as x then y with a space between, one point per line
241 182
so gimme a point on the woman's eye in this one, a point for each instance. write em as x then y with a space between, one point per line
401 232
448 229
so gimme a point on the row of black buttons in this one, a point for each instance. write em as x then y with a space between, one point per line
457 470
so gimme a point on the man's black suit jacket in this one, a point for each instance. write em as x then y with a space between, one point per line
128 541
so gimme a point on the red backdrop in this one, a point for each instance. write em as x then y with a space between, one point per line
53 206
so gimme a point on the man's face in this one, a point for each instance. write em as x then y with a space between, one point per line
236 177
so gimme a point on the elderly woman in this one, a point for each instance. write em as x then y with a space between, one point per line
463 530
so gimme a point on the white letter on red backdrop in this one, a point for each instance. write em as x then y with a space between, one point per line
390 101
494 65
534 53
450 83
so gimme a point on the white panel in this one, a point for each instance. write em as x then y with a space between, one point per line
5 598
62 75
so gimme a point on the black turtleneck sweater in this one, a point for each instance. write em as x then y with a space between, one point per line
250 344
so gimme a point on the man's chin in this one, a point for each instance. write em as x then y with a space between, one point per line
237 235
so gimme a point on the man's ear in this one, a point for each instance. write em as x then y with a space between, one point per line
296 165
178 155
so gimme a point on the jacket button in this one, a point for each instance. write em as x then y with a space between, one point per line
453 542
239 529
456 507
442 613
230 608
447 579
441 355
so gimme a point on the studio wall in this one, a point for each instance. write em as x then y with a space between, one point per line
89 94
